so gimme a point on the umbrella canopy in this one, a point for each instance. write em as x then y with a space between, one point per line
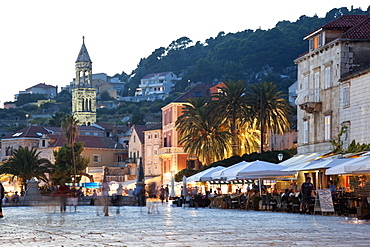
172 193
301 158
196 177
359 167
208 175
302 166
326 163
262 169
229 173
345 168
184 188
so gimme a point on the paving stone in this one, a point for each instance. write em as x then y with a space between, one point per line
173 226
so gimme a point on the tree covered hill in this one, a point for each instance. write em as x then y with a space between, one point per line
250 55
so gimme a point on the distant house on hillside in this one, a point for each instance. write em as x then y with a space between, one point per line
157 85
48 90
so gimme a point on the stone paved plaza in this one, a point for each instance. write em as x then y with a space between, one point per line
174 226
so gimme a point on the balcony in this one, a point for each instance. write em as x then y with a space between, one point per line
165 151
309 100
120 164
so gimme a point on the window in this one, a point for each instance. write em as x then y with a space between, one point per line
305 83
43 143
327 77
305 131
345 93
316 42
327 128
119 158
317 86
96 158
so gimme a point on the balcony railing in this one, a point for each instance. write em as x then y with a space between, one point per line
171 150
309 100
120 164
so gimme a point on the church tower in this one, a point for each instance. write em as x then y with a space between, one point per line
83 93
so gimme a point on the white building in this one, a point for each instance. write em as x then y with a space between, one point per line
158 84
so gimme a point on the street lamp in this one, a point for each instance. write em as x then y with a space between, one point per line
27 115
280 157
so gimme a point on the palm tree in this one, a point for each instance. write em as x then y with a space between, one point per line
231 104
249 137
26 164
70 125
269 108
201 135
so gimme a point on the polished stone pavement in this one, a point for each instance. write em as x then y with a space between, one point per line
175 226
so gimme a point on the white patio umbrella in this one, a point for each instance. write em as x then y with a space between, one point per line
262 169
359 167
196 177
345 168
229 173
208 175
326 163
172 193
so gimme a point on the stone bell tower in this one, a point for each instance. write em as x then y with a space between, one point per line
83 93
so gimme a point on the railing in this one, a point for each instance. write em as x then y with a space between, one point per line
170 150
308 95
130 160
120 164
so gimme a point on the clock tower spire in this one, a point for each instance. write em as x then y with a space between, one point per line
83 93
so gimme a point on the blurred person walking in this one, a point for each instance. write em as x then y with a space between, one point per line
2 195
105 195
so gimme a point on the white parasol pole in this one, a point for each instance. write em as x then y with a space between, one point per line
260 186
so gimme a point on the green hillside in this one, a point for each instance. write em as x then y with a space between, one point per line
250 55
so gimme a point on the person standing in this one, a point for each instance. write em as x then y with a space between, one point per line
333 190
162 193
105 194
306 189
2 195
63 195
119 195
167 193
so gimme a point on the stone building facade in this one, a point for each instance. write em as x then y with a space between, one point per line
335 49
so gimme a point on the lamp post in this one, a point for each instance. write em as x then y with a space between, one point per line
27 115
280 157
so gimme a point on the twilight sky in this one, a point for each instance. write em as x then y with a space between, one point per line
40 39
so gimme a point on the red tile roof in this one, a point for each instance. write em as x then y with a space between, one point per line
199 90
89 142
344 23
360 31
140 131
41 85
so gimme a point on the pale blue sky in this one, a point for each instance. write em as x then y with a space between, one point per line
40 40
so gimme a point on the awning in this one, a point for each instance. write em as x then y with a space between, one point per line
263 169
301 158
349 166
